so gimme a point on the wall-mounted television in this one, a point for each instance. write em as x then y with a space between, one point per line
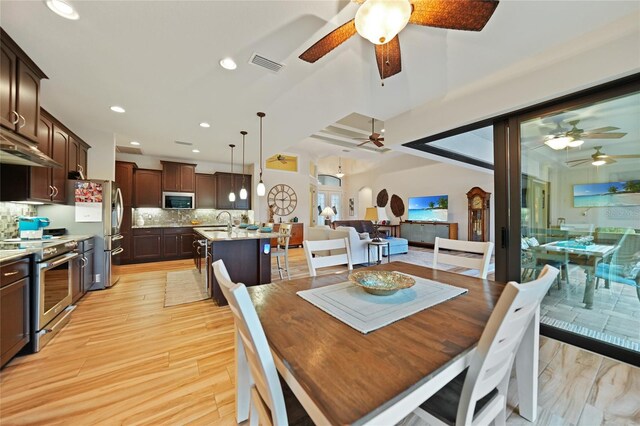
429 208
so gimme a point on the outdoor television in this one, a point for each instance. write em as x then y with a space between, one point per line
430 208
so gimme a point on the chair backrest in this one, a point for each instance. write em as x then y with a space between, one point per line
256 347
476 247
492 361
312 247
285 233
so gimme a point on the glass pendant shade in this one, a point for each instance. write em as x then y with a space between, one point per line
379 21
261 189
232 196
243 194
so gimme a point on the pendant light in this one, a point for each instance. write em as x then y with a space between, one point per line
243 190
232 194
339 175
261 189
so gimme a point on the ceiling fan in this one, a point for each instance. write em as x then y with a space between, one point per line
281 158
380 21
560 138
373 137
599 158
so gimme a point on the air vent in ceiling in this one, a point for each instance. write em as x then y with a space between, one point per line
128 150
263 62
184 143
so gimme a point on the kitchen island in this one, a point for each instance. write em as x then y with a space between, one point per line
246 255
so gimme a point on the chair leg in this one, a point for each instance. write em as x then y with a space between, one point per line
279 268
286 263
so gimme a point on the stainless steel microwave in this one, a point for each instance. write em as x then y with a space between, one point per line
178 200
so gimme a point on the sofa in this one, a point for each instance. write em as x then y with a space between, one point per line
396 245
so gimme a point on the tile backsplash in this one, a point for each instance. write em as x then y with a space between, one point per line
9 213
165 217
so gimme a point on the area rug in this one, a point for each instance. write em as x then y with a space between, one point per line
183 287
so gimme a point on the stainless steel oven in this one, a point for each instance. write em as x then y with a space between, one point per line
54 276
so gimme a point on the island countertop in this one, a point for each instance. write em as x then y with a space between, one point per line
236 234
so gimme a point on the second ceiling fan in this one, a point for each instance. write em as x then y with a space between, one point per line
374 137
380 21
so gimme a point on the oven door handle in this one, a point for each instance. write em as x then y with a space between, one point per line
64 259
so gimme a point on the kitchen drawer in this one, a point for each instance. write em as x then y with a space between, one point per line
86 245
14 271
147 231
173 231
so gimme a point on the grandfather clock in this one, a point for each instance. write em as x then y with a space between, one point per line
478 204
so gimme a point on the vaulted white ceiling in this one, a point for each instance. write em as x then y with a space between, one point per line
159 60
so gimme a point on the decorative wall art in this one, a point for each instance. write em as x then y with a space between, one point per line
397 206
607 194
383 198
352 203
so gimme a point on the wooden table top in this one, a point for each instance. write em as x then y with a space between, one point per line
348 374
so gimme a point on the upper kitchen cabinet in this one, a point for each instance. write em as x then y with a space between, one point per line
205 191
77 156
59 144
225 183
178 177
147 188
124 179
19 89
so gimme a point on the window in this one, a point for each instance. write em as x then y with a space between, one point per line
329 180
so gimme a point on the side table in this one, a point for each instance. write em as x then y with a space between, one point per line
379 245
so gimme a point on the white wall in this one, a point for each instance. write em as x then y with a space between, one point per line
414 180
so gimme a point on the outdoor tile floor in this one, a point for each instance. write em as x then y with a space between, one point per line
615 316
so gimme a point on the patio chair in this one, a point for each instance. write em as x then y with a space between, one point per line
479 394
623 266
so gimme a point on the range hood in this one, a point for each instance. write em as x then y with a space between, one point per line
14 149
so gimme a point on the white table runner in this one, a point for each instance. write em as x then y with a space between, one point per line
366 312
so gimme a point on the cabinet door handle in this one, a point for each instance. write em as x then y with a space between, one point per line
8 274
52 191
84 261
17 120
24 122
55 193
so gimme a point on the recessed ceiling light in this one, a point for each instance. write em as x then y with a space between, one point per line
117 108
205 125
228 64
195 150
62 8
134 143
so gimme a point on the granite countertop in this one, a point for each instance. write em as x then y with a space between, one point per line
176 225
236 234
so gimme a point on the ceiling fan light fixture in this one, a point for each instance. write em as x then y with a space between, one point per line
575 143
558 143
379 21
599 162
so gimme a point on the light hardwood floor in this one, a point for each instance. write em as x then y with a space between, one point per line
125 359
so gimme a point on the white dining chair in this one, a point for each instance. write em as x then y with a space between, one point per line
315 261
282 249
474 247
268 403
479 394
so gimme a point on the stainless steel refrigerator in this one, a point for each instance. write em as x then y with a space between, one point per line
106 230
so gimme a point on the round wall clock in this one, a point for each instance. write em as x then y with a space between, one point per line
283 199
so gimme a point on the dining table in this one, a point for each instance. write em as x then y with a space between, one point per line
342 376
586 256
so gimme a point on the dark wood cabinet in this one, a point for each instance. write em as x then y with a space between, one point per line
14 309
83 159
177 243
147 244
225 183
76 279
19 89
87 262
124 179
127 235
77 152
205 191
41 188
178 177
170 246
147 188
59 153
297 234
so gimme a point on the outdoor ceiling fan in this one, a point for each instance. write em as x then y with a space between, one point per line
380 21
561 138
599 158
373 137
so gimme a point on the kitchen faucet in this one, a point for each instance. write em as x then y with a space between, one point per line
228 224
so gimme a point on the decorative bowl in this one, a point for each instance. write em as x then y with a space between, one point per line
243 225
381 283
266 229
252 228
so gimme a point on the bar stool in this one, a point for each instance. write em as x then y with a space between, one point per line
282 248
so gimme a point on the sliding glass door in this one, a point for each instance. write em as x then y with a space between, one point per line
571 181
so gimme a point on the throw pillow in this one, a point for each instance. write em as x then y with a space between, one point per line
363 235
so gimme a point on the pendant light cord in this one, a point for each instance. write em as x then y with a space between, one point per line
261 115
243 133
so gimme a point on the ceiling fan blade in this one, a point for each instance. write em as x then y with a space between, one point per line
469 15
603 129
374 136
625 156
574 163
363 143
329 42
602 135
388 58
377 143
